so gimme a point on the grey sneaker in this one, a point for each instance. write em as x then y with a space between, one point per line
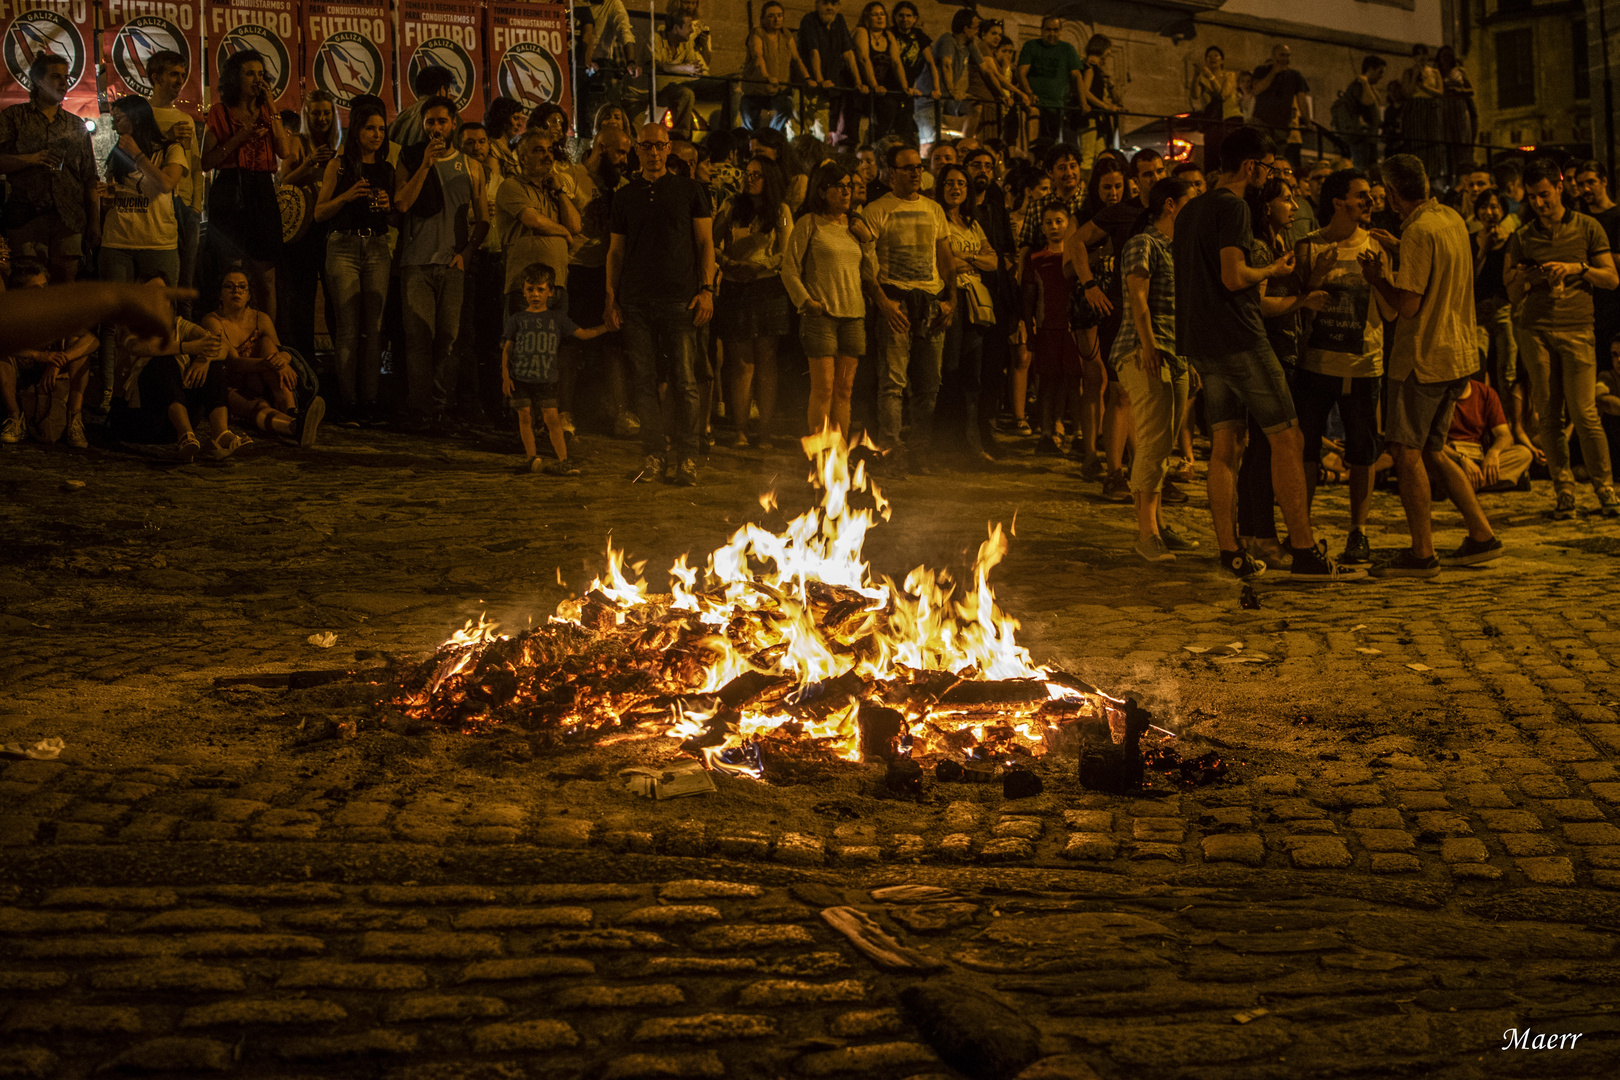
1174 541
652 470
1564 508
1153 550
1474 552
74 435
1407 564
686 475
14 430
1608 503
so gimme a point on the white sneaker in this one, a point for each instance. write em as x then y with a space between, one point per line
14 430
1153 550
74 435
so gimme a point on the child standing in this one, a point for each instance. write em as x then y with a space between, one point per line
1057 361
529 370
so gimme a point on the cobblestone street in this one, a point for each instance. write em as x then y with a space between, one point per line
1417 852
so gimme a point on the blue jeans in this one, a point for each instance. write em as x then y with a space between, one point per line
190 224
357 282
779 106
908 372
432 296
662 345
131 264
1249 383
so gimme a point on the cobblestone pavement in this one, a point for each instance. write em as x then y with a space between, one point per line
1418 854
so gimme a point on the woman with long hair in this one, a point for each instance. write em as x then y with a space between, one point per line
504 121
316 141
1091 262
877 51
1214 98
962 362
1458 115
822 270
244 141
992 91
356 195
140 235
752 314
1271 210
1029 186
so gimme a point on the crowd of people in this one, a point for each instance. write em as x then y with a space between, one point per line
960 306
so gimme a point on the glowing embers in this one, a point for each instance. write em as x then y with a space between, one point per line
784 645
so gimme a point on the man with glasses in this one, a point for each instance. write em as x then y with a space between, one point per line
1048 67
1219 329
914 293
660 286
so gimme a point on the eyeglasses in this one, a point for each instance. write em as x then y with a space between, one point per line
650 147
842 185
755 176
908 168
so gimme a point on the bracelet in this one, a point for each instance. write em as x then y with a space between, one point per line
1092 284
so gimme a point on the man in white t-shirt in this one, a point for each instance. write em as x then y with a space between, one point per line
914 296
169 72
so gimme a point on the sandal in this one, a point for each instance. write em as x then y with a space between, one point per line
228 444
187 448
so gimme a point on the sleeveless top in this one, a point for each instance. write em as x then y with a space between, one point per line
435 240
777 61
358 216
882 62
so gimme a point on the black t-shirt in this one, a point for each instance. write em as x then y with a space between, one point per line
655 219
913 44
1606 302
1274 106
1211 320
1117 221
832 42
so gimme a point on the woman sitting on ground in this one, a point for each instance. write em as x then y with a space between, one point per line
259 372
165 380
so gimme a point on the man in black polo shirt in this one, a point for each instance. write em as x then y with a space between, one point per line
660 285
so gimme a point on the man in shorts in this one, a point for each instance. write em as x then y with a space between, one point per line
1428 368
1219 329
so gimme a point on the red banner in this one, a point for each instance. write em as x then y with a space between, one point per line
349 51
135 29
528 53
446 34
268 27
64 27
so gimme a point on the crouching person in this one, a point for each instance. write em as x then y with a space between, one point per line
1481 444
529 370
64 367
162 382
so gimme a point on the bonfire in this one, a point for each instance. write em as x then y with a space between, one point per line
783 645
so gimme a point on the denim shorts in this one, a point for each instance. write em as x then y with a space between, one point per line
1315 395
827 335
1243 384
1419 414
533 395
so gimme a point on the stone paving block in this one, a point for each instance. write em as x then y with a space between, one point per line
443 1007
59 1019
1367 795
529 967
20 982
165 975
199 831
1088 845
743 845
1381 817
956 846
879 1059
698 1065
1276 784
16 921
246 944
522 918
864 1023
185 919
1404 780
670 915
1606 879
744 938
1604 856
428 946
1527 844
1608 791
1539 786
1417 801
1142 850
1487 796
1576 810
497 814
908 846
798 849
127 793
1592 832
777 992
527 1035
1464 849
614 940
495 834
1008 849
862 855
126 899
1548 871
649 996
1392 862
361 1045
1246 848
35 772
1386 839
708 1027
363 814
1433 824
962 816
149 828
93 948
1477 871
1511 820
1321 854
1089 821
1162 830
575 893
665 966
685 838
351 919
263 1011
431 894
27 1063
78 832
336 975
275 893
562 833
174 1053
1294 810
1227 818
1021 827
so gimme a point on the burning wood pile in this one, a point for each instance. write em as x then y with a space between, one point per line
783 648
